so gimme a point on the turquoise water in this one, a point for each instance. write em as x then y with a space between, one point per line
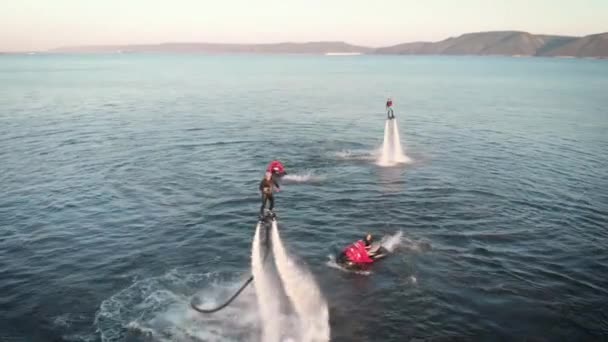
129 185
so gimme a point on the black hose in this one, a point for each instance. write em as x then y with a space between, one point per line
238 292
226 303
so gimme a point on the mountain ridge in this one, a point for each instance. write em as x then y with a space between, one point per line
507 43
502 43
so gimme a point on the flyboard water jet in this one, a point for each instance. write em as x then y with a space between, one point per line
391 153
299 285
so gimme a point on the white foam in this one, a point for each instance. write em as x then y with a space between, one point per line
159 307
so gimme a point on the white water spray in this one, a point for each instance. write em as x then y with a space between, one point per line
307 177
268 302
305 295
392 153
390 242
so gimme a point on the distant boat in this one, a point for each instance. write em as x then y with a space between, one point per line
342 53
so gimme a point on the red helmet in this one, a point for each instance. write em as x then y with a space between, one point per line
276 167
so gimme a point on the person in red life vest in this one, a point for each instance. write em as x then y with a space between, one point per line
362 252
372 248
267 187
357 253
389 109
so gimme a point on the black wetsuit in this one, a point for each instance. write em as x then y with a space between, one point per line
390 113
267 187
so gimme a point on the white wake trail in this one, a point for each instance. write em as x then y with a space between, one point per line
266 291
302 290
307 177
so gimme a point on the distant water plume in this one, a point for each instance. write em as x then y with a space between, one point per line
391 153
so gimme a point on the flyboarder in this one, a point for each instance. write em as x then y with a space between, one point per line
267 187
389 109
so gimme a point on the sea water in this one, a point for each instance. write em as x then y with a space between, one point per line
129 185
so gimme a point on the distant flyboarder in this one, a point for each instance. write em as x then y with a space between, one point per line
389 109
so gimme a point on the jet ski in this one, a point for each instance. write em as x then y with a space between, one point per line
359 256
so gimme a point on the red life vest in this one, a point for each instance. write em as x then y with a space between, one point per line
389 103
357 253
275 164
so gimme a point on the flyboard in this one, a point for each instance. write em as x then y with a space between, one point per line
267 221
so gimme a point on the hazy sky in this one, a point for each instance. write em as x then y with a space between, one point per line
43 24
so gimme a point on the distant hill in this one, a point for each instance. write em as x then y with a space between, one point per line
278 48
504 43
507 43
486 43
595 45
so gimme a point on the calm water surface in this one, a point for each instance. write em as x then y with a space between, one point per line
129 184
